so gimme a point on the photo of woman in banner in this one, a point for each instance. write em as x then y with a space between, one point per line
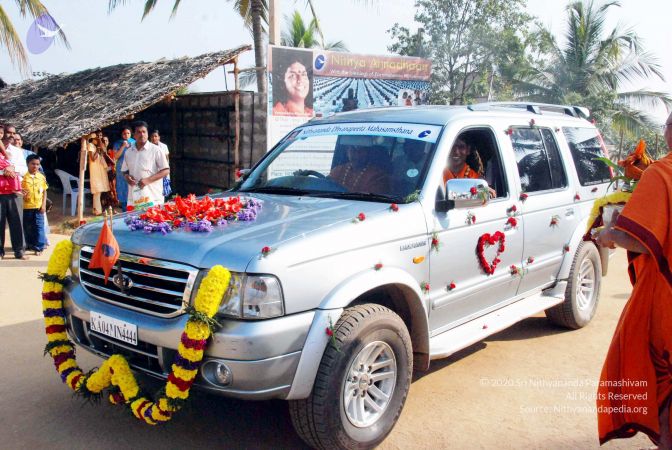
292 76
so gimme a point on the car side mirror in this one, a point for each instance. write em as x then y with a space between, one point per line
244 173
464 193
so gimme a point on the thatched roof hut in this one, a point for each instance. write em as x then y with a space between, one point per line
60 109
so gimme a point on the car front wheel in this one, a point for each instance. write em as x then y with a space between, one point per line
583 290
361 384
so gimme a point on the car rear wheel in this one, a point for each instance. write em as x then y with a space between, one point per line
583 290
361 386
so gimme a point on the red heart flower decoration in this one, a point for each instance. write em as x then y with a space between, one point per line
487 240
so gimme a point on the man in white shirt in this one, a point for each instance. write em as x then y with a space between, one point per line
144 167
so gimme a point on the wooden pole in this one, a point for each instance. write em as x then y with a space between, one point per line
83 157
236 97
273 28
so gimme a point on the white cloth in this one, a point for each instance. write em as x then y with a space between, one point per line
141 164
18 161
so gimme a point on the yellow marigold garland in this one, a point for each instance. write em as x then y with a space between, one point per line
619 197
115 373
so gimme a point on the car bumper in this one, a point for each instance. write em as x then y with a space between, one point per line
261 356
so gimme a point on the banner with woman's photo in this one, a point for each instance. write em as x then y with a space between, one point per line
307 83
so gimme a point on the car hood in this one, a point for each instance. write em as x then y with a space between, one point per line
281 220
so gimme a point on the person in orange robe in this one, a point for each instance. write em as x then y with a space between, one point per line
360 174
636 380
457 166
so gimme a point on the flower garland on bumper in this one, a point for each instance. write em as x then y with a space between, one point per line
115 373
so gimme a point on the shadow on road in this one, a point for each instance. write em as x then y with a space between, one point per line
19 263
532 327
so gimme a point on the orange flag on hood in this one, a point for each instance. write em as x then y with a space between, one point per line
106 253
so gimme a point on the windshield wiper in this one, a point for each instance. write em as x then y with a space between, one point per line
283 190
369 197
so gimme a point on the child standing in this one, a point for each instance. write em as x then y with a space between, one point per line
34 186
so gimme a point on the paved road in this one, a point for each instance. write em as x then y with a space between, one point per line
527 387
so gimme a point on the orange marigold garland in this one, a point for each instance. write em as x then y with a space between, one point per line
115 374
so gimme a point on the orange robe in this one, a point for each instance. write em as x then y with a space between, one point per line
636 378
466 172
363 179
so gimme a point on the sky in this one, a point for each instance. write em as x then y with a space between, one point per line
100 39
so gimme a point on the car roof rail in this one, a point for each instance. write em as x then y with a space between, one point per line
536 108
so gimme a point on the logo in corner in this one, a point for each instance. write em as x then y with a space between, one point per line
41 34
424 134
320 62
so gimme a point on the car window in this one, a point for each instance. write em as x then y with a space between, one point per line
485 158
539 164
558 175
586 145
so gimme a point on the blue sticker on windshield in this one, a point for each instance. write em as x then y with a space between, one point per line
420 132
412 173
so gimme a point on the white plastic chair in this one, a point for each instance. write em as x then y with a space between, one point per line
66 180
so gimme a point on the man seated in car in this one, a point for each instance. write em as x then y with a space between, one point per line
457 166
361 173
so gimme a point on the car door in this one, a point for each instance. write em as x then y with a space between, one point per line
460 288
549 212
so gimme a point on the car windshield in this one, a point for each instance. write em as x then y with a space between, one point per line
384 162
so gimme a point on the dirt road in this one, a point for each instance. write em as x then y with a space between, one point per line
531 386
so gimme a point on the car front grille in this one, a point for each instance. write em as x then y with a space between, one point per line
160 288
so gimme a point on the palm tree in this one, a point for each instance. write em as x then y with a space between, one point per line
253 12
592 68
11 40
255 15
298 34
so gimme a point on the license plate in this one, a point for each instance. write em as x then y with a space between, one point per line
114 328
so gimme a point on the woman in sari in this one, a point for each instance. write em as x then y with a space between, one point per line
97 173
110 200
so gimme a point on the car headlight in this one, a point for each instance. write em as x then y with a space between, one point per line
74 261
253 297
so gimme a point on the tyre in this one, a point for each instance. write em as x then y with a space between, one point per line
583 290
361 387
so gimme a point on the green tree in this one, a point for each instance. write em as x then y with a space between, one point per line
592 67
471 44
10 39
299 34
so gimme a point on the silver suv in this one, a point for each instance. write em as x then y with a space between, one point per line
377 266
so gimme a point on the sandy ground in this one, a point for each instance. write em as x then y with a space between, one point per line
531 386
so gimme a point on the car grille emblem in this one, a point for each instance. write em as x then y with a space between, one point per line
123 282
